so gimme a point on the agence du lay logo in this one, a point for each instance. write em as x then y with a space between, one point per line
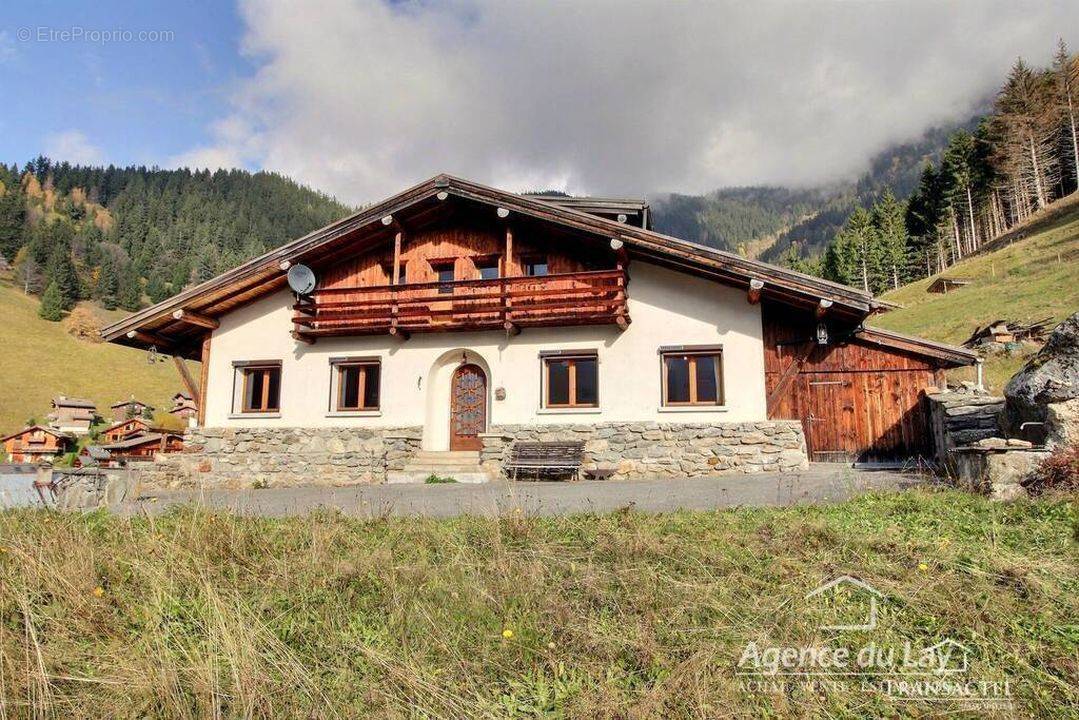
847 604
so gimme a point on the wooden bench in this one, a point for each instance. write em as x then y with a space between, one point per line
546 457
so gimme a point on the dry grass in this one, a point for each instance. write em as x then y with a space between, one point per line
616 616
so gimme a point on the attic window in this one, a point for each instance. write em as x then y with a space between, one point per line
487 267
535 266
445 273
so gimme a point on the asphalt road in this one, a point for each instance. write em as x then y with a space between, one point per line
821 483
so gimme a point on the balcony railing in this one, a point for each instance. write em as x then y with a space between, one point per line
584 298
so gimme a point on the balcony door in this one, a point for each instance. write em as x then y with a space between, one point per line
468 407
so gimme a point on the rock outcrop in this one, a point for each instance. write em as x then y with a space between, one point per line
1045 393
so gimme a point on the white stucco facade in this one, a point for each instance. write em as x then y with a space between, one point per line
666 307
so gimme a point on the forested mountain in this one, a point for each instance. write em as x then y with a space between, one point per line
766 221
1020 158
129 236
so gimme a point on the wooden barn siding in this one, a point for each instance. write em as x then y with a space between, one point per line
854 399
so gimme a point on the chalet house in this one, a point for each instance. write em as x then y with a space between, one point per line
183 405
130 408
440 326
72 415
124 429
36 443
144 446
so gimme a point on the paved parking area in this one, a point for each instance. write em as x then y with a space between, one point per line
821 483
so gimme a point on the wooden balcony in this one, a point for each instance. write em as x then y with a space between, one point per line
509 303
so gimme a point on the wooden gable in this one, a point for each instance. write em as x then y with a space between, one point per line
465 238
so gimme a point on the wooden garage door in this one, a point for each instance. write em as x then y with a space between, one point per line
864 416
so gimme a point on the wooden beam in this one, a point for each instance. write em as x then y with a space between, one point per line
754 294
509 251
511 328
789 374
301 337
150 339
189 382
399 332
397 258
194 318
822 307
623 322
204 378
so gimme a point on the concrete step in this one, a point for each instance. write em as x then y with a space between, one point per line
470 455
419 474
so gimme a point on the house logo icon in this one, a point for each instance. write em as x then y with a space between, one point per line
846 603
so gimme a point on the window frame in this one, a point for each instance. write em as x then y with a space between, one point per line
489 261
528 261
570 356
445 287
691 354
244 369
337 390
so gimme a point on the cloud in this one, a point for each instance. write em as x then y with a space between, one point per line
360 99
74 147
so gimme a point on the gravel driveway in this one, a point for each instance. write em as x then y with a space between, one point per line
819 484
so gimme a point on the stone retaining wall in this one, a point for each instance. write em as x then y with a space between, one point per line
279 457
648 449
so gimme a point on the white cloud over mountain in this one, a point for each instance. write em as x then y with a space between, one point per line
361 99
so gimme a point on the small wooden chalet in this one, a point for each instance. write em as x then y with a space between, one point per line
458 317
36 443
183 405
130 408
72 415
943 285
126 428
144 446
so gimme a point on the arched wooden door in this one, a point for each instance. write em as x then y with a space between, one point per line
468 407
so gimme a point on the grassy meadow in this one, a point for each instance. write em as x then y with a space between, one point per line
1030 274
41 360
191 615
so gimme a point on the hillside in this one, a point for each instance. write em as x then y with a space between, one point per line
1027 275
41 360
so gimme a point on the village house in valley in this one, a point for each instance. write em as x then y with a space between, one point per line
36 444
72 415
183 406
453 320
131 408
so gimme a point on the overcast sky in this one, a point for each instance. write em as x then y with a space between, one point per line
361 99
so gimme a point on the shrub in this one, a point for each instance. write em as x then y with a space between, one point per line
83 324
1058 472
433 479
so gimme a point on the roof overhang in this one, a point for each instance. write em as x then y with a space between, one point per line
167 326
944 354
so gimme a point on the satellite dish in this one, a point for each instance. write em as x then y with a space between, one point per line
301 279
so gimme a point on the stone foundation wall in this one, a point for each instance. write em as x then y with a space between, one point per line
648 449
960 419
278 457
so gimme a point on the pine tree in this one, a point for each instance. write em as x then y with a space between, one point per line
130 295
891 230
12 218
52 304
1066 71
109 284
61 272
157 288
